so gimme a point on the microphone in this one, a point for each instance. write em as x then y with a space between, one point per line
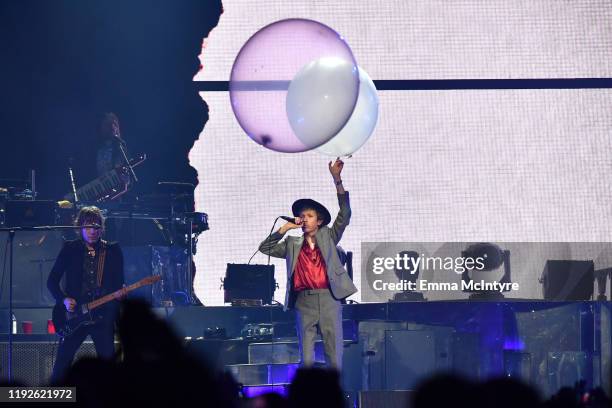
119 140
94 226
289 219
117 137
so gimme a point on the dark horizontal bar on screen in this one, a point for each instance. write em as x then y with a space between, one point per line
429 84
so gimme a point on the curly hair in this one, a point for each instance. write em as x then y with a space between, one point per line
105 126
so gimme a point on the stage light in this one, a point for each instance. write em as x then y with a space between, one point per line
493 258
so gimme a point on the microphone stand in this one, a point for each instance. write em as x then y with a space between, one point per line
125 158
11 231
73 185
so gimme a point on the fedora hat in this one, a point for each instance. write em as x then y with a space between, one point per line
299 205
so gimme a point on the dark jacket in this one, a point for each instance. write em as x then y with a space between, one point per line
69 264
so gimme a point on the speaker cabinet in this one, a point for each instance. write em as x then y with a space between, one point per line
568 280
33 361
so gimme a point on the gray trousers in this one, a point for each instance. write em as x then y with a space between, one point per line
317 307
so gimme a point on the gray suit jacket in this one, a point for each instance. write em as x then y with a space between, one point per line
327 238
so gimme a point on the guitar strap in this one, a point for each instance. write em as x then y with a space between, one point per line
101 259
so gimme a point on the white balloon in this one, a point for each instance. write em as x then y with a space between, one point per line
321 98
361 124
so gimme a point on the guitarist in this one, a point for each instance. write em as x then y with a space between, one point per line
91 268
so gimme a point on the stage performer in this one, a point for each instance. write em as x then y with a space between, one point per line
92 268
108 153
316 280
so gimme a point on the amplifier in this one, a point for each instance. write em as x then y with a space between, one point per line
33 361
244 281
568 280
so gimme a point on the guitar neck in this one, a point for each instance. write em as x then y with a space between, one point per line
115 295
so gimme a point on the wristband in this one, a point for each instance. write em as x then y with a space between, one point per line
338 182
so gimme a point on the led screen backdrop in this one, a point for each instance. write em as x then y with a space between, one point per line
458 165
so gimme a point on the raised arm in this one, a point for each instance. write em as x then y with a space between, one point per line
344 215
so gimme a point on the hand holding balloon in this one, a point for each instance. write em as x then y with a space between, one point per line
336 169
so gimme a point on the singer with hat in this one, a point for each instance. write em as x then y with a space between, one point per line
316 279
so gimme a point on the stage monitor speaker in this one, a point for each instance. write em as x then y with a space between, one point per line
567 280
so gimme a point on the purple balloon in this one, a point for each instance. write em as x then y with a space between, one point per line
263 70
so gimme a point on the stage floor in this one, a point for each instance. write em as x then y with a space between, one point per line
388 346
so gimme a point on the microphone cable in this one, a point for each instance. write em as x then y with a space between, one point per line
269 235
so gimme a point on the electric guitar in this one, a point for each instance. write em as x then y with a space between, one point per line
66 322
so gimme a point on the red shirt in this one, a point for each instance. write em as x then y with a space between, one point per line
310 270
